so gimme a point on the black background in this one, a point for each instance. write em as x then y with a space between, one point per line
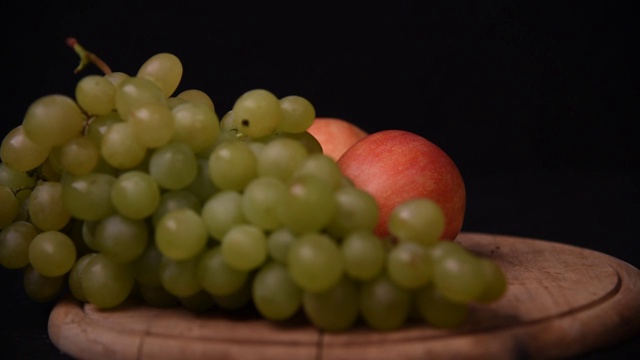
536 103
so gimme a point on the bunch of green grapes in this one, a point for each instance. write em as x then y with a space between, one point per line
126 191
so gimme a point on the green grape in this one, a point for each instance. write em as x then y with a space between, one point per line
88 231
120 148
173 166
409 265
308 141
181 234
135 194
384 305
135 91
52 253
116 77
221 212
152 124
146 267
227 123
164 69
280 157
99 125
335 309
122 239
195 125
10 206
244 247
236 300
278 244
15 179
216 276
172 102
53 120
198 97
232 165
443 249
437 310
95 94
20 153
157 296
363 255
202 187
14 244
198 302
419 220
79 156
315 262
322 166
459 276
495 281
298 113
257 113
46 209
172 200
179 277
106 283
88 197
308 204
75 284
274 293
41 288
356 210
260 200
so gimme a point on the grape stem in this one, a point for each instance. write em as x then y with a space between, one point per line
86 57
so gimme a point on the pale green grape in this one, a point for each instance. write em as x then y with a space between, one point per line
384 305
232 165
198 97
75 285
95 94
322 166
53 120
238 299
308 204
310 143
52 253
298 113
459 276
106 283
172 200
495 281
356 210
257 113
181 234
116 77
15 179
179 277
99 125
221 212
88 197
46 208
244 247
164 69
135 194
146 267
152 124
443 249
135 91
280 157
39 287
227 123
315 262
274 293
195 125
363 255
79 156
122 239
419 220
10 206
20 153
120 148
437 310
201 186
278 244
335 309
157 296
173 166
260 200
14 244
88 230
172 102
216 276
409 265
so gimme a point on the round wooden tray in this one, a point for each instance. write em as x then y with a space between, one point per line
561 301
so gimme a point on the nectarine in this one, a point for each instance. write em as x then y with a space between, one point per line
335 135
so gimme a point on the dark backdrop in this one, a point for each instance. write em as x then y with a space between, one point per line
535 103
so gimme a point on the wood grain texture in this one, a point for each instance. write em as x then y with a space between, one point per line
561 301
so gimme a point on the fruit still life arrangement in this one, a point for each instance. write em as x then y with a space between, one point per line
128 190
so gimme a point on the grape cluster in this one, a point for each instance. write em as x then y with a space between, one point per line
126 190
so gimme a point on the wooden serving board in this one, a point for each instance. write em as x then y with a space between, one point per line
561 301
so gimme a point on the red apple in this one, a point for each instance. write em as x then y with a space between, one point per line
335 135
396 165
